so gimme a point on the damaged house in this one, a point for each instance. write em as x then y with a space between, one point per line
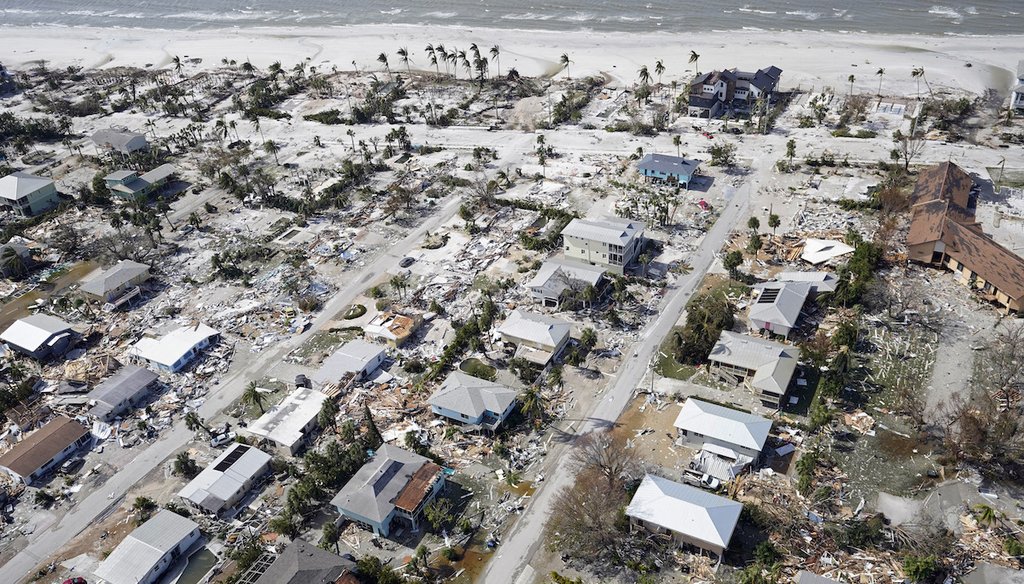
764 366
729 440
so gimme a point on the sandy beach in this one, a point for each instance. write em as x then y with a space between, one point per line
809 59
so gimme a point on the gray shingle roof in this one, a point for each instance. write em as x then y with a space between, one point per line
780 302
773 363
725 424
669 164
127 383
372 491
614 231
304 563
536 328
469 395
114 277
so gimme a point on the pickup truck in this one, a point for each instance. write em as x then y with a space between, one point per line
702 480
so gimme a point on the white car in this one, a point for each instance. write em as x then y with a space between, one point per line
222 439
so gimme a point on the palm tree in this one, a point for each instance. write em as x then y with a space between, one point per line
754 224
330 536
851 79
645 260
352 135
532 403
694 58
177 64
12 264
588 338
986 514
644 75
774 222
254 397
433 57
880 73
403 54
193 422
677 141
328 416
564 60
442 56
918 73
255 121
495 53
271 147
383 60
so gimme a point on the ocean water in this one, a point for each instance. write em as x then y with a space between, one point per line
935 17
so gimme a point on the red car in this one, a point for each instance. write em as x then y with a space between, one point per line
75 580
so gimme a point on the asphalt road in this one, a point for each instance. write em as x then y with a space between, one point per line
519 546
94 506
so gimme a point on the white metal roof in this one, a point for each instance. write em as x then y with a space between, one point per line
284 423
724 424
614 231
472 396
533 327
168 349
820 281
773 363
686 510
780 302
143 548
31 332
119 139
225 477
114 276
819 251
18 184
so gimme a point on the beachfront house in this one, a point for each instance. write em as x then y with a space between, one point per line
394 486
291 423
121 392
175 350
354 361
149 551
538 338
119 140
672 170
130 185
609 243
28 195
763 366
473 402
778 305
690 516
41 451
227 480
1017 97
731 91
944 233
40 336
559 279
728 441
117 285
303 563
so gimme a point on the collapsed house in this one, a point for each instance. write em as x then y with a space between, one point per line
354 361
146 553
40 336
764 366
227 480
729 440
290 424
944 233
688 515
391 328
43 450
820 282
395 485
303 563
175 350
538 338
121 392
473 402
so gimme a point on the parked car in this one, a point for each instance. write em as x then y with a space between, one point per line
222 439
71 465
406 262
76 580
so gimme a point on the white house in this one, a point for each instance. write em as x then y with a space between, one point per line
764 366
538 338
357 359
778 306
175 350
27 194
146 553
39 336
700 423
820 281
689 515
557 276
227 480
1018 89
120 140
473 401
44 449
610 243
290 423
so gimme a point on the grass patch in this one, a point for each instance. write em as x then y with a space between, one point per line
666 365
354 312
479 369
804 393
321 344
1012 178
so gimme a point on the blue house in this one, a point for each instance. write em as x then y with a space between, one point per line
472 401
395 485
669 169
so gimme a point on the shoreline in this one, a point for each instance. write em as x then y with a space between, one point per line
957 63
